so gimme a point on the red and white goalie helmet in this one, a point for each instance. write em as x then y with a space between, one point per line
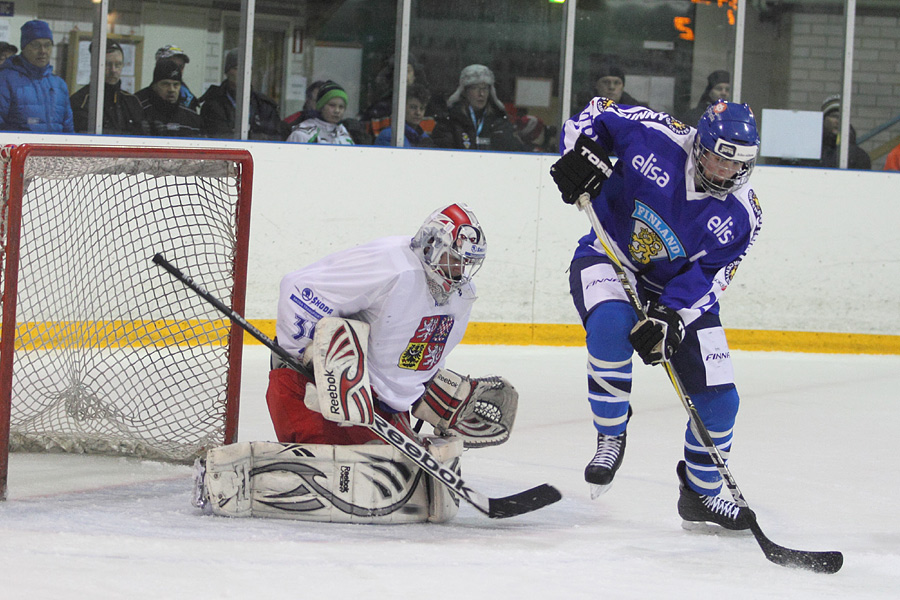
451 246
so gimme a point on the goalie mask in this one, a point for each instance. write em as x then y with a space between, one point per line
451 246
725 147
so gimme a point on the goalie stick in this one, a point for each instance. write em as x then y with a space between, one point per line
495 508
820 562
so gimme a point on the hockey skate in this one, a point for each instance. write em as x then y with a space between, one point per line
710 513
602 468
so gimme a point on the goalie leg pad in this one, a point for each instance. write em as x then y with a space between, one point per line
319 482
339 350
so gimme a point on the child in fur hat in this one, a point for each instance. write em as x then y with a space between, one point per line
476 119
326 127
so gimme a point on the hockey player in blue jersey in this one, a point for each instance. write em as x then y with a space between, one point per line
680 216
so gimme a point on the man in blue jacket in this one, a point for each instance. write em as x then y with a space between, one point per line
32 98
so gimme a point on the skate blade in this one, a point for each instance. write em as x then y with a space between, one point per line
706 528
598 490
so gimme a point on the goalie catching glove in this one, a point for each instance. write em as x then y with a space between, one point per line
482 411
657 338
581 170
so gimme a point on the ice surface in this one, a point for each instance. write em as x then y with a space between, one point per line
813 456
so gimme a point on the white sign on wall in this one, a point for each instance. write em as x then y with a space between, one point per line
791 133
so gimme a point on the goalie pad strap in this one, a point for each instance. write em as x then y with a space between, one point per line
371 483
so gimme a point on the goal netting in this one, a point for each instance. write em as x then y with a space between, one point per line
101 350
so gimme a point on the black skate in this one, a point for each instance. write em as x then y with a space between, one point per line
703 513
602 468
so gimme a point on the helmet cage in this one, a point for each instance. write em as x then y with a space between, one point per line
451 251
728 131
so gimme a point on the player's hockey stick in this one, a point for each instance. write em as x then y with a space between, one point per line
495 508
820 562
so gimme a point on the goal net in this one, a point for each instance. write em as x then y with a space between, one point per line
102 351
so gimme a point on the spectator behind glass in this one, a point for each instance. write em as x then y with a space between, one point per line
7 50
162 111
415 137
219 108
831 130
309 106
32 98
122 112
377 115
718 87
326 128
893 159
609 82
535 135
185 97
476 119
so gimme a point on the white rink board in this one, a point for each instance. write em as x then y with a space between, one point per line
825 260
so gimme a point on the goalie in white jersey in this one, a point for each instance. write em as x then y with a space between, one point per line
403 304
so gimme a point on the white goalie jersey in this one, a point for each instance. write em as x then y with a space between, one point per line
382 283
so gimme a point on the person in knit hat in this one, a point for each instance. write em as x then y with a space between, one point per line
476 119
609 82
218 109
32 98
164 114
831 131
185 97
718 87
122 112
326 127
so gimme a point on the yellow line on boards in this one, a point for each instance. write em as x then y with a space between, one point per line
111 334
547 334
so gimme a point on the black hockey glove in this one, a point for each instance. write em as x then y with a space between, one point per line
581 170
657 338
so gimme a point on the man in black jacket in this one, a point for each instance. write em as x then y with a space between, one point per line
219 103
122 112
165 116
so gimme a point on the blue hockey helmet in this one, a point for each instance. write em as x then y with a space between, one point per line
727 130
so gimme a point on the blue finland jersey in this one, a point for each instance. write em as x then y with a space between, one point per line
683 244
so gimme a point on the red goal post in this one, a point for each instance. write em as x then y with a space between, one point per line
100 350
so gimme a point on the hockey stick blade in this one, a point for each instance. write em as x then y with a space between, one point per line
495 508
820 562
523 502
